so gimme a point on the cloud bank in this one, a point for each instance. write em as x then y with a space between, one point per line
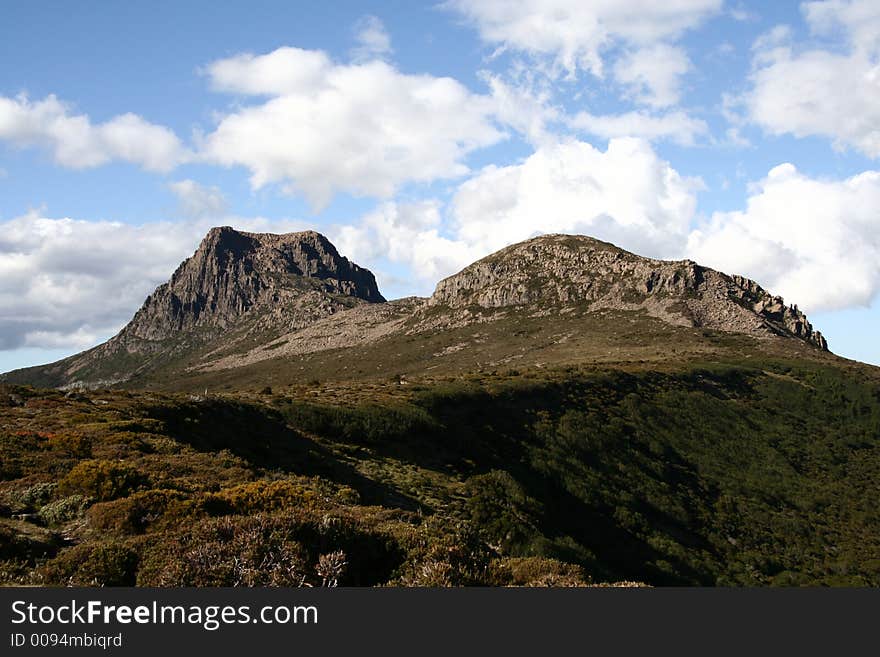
77 143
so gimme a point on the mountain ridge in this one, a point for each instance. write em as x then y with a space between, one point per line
622 280
244 298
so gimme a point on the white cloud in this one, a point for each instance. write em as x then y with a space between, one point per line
76 142
816 242
198 201
860 19
822 92
67 283
742 14
625 194
282 71
576 33
523 106
652 75
407 234
372 38
676 126
365 128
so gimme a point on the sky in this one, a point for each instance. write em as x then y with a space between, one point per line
420 137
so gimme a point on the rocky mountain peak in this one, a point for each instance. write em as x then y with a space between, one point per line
566 271
234 273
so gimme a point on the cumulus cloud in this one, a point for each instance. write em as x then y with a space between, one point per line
524 106
361 128
372 38
676 126
816 242
574 33
652 75
68 283
75 142
407 234
816 92
860 19
625 194
197 200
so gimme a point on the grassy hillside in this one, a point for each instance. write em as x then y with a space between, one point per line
729 473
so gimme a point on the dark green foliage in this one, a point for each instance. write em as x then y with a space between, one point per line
730 474
505 514
362 423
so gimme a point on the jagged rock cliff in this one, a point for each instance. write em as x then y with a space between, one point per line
567 270
233 273
235 287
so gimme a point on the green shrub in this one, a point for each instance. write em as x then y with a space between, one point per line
348 496
367 423
33 497
102 480
64 510
139 512
71 444
260 496
92 564
500 507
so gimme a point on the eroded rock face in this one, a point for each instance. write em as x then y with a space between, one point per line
567 270
234 272
236 288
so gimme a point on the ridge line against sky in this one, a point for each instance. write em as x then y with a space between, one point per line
419 137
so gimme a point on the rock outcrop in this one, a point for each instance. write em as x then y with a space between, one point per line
568 270
233 273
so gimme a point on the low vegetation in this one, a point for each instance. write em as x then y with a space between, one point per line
718 474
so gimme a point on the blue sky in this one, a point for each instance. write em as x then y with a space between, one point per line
421 136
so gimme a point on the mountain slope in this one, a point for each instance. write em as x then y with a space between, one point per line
560 413
236 287
249 310
560 271
754 473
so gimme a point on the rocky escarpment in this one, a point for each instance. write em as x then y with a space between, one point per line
565 270
232 273
236 287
